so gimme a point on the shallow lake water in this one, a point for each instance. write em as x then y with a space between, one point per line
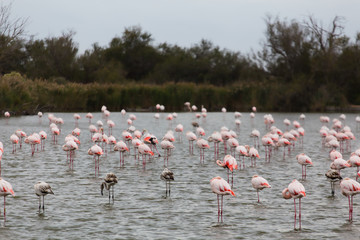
140 210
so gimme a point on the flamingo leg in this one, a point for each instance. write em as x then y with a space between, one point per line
258 195
4 210
222 200
218 207
39 203
43 207
295 214
299 213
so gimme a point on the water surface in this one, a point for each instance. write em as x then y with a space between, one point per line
140 210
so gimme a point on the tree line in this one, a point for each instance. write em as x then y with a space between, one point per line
302 66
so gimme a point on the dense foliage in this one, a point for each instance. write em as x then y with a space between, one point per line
301 67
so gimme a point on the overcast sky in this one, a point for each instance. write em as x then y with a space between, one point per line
237 25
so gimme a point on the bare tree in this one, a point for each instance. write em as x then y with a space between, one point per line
11 28
327 39
11 42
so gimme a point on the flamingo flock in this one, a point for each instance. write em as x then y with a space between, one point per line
336 141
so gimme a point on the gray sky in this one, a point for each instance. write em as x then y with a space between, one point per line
237 25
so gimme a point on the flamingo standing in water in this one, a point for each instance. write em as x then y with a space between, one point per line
349 188
304 160
283 142
122 148
202 144
145 150
109 181
21 135
168 176
76 117
40 114
191 137
339 164
42 189
89 116
32 140
5 190
354 161
15 140
179 129
136 142
167 146
220 187
253 154
230 163
96 151
259 183
43 137
295 190
255 134
242 151
333 176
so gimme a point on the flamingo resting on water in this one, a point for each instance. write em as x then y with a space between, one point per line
295 190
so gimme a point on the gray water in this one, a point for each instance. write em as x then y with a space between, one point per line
140 210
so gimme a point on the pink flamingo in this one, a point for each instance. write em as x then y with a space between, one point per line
93 130
55 132
96 151
267 142
202 144
32 140
5 190
167 146
220 187
89 116
283 142
179 129
295 190
122 148
145 150
243 152
7 116
111 142
76 117
43 137
255 134
253 153
110 124
229 162
70 146
216 138
40 114
354 161
339 164
152 140
15 140
136 142
233 143
335 154
259 183
191 137
349 188
304 160
21 135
